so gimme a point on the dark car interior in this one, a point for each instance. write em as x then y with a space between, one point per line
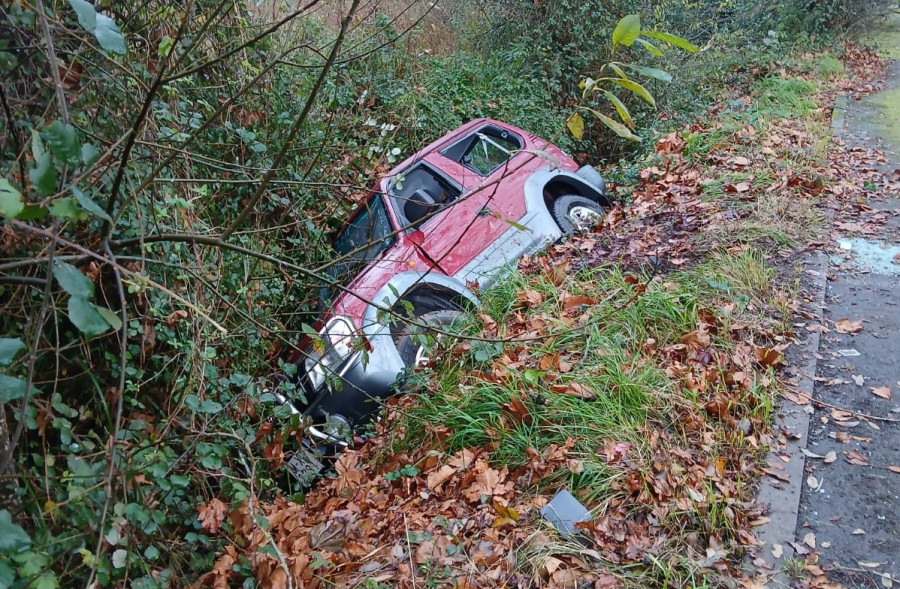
420 191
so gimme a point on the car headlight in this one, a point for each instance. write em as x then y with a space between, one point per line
340 339
340 334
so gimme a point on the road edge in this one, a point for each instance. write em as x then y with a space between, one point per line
783 498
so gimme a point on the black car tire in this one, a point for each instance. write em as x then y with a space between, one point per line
571 212
408 343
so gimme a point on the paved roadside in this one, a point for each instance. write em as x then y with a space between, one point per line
851 498
833 498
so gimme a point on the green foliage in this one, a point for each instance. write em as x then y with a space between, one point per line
627 33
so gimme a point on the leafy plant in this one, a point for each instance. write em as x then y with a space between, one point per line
627 33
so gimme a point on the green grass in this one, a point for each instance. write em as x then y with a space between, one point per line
829 66
604 354
784 97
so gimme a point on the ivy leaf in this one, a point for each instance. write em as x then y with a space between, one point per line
84 315
11 389
9 349
672 40
165 45
11 202
13 538
43 174
65 208
89 154
119 558
627 30
87 16
32 212
103 27
63 141
109 36
72 280
110 317
576 125
88 205
45 581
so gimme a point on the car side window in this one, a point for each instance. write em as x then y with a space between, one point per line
489 153
485 150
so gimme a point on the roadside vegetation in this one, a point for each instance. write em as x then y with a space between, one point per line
170 176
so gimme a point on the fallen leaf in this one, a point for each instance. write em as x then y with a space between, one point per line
830 457
777 550
505 515
845 325
859 532
869 565
841 415
437 478
812 481
894 469
883 392
811 454
740 161
212 515
858 379
857 458
810 540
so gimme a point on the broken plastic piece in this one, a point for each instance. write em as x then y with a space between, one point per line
850 352
564 511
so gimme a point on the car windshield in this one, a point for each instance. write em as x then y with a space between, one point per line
362 240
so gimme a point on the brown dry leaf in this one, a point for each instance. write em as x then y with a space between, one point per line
212 515
830 457
577 300
894 469
739 187
841 415
768 356
505 515
858 379
857 458
574 389
810 540
439 477
845 325
530 298
740 161
883 392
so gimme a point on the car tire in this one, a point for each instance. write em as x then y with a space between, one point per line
576 214
408 345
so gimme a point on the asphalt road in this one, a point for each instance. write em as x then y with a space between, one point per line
851 504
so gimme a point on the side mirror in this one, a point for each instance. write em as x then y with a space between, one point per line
416 236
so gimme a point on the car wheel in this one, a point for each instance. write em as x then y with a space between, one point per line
576 214
409 344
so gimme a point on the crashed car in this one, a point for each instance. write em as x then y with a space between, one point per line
439 226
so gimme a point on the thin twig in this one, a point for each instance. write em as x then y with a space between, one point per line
295 128
123 365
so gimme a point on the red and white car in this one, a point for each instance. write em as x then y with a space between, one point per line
448 218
